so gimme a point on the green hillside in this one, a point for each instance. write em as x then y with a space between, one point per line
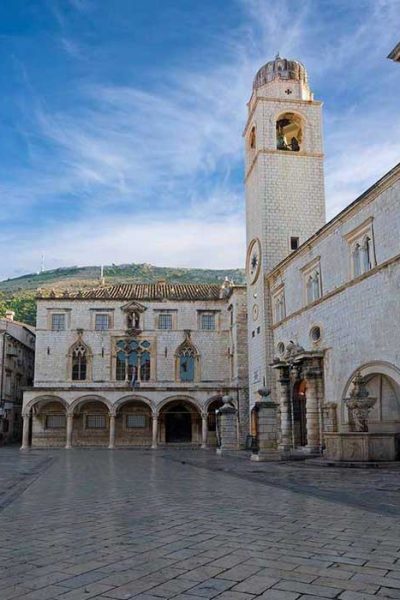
18 294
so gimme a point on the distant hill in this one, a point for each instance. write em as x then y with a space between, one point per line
18 293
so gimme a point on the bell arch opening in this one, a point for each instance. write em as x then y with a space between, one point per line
289 132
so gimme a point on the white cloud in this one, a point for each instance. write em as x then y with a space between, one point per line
163 158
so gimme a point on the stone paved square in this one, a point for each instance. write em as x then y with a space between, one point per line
187 524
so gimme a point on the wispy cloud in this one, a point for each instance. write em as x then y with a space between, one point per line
167 156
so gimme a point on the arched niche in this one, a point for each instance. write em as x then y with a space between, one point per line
289 132
383 383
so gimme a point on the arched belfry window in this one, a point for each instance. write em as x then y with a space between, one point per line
187 358
252 138
133 361
80 356
289 132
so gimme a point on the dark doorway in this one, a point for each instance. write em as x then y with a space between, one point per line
178 425
299 414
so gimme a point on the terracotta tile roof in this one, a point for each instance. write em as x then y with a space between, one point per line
140 291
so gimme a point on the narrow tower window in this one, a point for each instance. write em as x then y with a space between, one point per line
252 138
294 243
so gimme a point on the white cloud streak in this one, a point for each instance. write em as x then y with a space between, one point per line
164 158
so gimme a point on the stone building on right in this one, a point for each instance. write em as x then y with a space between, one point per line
323 299
335 316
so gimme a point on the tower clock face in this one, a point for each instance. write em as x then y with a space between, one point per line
254 260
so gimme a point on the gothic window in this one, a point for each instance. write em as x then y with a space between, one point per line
79 362
289 134
187 358
252 138
133 361
186 365
361 248
145 366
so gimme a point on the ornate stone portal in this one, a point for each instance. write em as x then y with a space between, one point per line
300 390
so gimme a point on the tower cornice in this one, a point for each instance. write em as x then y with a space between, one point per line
281 101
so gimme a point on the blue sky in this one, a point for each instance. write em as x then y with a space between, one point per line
121 121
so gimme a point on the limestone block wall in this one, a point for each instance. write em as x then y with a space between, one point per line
357 315
334 251
52 366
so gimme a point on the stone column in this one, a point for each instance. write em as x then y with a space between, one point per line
312 410
154 432
227 426
267 437
285 406
204 430
25 431
68 441
111 444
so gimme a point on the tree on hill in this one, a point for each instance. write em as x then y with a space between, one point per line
24 306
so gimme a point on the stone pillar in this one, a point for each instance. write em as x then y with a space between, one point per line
25 431
227 426
204 430
68 440
111 444
285 410
267 430
312 410
154 432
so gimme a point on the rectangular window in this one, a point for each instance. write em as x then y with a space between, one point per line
207 322
165 321
95 421
58 322
294 243
102 322
135 421
55 421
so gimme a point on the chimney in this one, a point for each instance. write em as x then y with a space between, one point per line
10 314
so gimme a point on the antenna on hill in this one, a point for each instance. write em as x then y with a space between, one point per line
42 263
102 281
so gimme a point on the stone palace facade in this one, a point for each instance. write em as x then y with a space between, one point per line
137 365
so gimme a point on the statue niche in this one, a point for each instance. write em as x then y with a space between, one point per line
289 133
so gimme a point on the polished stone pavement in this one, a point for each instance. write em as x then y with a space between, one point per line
189 525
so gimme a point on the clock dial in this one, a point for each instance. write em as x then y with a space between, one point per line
255 312
254 260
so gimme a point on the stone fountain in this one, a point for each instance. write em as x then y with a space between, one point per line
359 444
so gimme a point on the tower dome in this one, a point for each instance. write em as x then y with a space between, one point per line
280 68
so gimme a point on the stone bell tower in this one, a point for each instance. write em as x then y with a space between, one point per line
285 201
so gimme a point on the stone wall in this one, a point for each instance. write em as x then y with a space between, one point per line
357 316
